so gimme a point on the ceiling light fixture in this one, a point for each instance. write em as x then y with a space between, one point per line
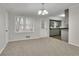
42 11
62 15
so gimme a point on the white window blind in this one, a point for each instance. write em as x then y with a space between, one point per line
23 24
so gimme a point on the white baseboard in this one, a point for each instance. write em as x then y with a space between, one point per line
72 43
1 50
17 40
21 39
25 39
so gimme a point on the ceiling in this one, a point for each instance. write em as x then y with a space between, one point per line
32 8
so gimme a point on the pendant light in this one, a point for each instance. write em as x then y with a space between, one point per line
42 11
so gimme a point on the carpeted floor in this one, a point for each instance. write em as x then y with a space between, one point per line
40 47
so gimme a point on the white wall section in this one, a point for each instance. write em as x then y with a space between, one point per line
37 33
74 25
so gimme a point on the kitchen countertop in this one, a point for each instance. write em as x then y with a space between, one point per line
59 28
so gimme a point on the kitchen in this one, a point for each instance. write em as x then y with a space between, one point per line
59 26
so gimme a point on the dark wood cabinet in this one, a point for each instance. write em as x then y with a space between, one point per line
54 27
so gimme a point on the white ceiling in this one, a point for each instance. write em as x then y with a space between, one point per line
32 8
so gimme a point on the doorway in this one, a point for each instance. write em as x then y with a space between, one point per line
54 27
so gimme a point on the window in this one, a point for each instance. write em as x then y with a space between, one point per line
23 24
17 24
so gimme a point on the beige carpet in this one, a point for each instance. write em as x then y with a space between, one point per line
40 47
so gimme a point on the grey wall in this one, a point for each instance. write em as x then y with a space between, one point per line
64 35
65 24
38 31
74 25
